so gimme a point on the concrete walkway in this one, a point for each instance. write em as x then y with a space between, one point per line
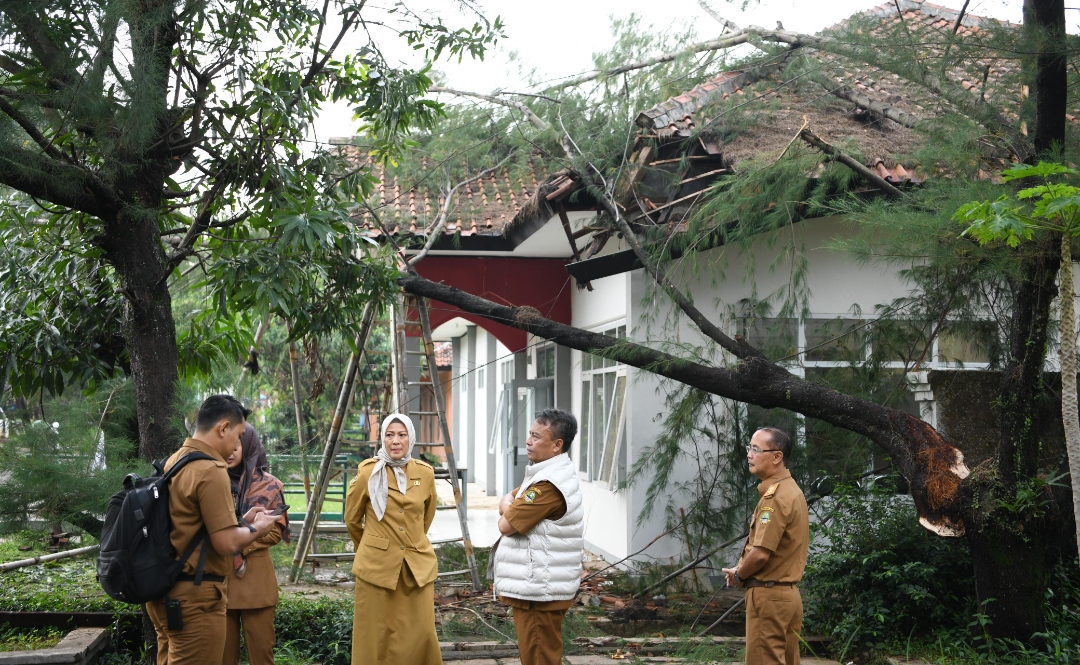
482 511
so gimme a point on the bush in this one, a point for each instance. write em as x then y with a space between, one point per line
876 576
321 630
68 472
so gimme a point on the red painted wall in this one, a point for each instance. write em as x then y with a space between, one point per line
540 283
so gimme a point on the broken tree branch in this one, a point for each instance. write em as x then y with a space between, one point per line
718 18
827 148
536 120
724 22
738 348
23 563
733 39
891 112
444 213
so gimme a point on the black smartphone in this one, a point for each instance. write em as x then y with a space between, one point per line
173 615
280 511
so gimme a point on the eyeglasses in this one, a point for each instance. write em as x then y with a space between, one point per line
758 451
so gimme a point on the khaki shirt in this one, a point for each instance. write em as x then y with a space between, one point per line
542 501
781 524
200 495
401 535
258 587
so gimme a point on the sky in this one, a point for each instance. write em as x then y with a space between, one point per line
558 37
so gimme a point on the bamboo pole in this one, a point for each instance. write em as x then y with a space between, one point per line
448 447
314 508
298 407
23 563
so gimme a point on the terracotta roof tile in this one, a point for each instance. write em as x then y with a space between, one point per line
483 207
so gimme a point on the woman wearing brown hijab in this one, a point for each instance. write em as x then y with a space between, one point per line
253 589
389 508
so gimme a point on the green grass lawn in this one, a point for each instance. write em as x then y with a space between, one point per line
26 639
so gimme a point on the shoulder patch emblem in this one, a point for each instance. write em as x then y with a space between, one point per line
772 490
766 517
531 494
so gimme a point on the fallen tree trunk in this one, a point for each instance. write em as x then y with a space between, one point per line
933 467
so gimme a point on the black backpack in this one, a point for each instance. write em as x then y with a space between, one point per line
137 562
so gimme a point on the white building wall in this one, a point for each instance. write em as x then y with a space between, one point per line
479 408
718 280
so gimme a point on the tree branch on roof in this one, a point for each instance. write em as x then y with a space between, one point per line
536 120
440 220
967 104
720 19
737 347
891 112
853 164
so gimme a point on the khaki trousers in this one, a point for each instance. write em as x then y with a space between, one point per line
539 634
202 640
773 625
259 637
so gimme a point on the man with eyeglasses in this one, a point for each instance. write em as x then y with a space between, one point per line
774 557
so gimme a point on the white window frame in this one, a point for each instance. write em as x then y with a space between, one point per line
600 467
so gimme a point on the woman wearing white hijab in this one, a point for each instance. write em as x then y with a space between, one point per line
389 508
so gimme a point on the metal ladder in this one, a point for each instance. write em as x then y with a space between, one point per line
399 381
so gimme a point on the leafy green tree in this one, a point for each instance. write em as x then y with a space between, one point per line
141 139
1054 208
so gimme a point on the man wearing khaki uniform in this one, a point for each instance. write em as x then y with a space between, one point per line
774 557
201 506
536 565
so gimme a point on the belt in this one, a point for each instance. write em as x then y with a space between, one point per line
754 583
205 578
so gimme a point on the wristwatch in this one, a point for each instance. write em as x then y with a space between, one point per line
739 579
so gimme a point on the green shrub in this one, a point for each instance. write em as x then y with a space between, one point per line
875 576
321 630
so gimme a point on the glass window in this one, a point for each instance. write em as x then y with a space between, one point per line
776 338
899 341
971 343
836 339
613 430
599 410
583 449
545 362
480 378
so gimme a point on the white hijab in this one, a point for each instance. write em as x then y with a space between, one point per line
378 483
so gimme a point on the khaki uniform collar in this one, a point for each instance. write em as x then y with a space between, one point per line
202 447
764 486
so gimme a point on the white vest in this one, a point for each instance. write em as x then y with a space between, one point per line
545 563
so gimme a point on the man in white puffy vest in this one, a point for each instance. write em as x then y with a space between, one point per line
537 562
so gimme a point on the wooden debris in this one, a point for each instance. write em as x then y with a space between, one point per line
23 563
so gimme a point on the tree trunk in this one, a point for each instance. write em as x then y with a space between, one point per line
1012 571
135 250
932 466
1070 417
1044 26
